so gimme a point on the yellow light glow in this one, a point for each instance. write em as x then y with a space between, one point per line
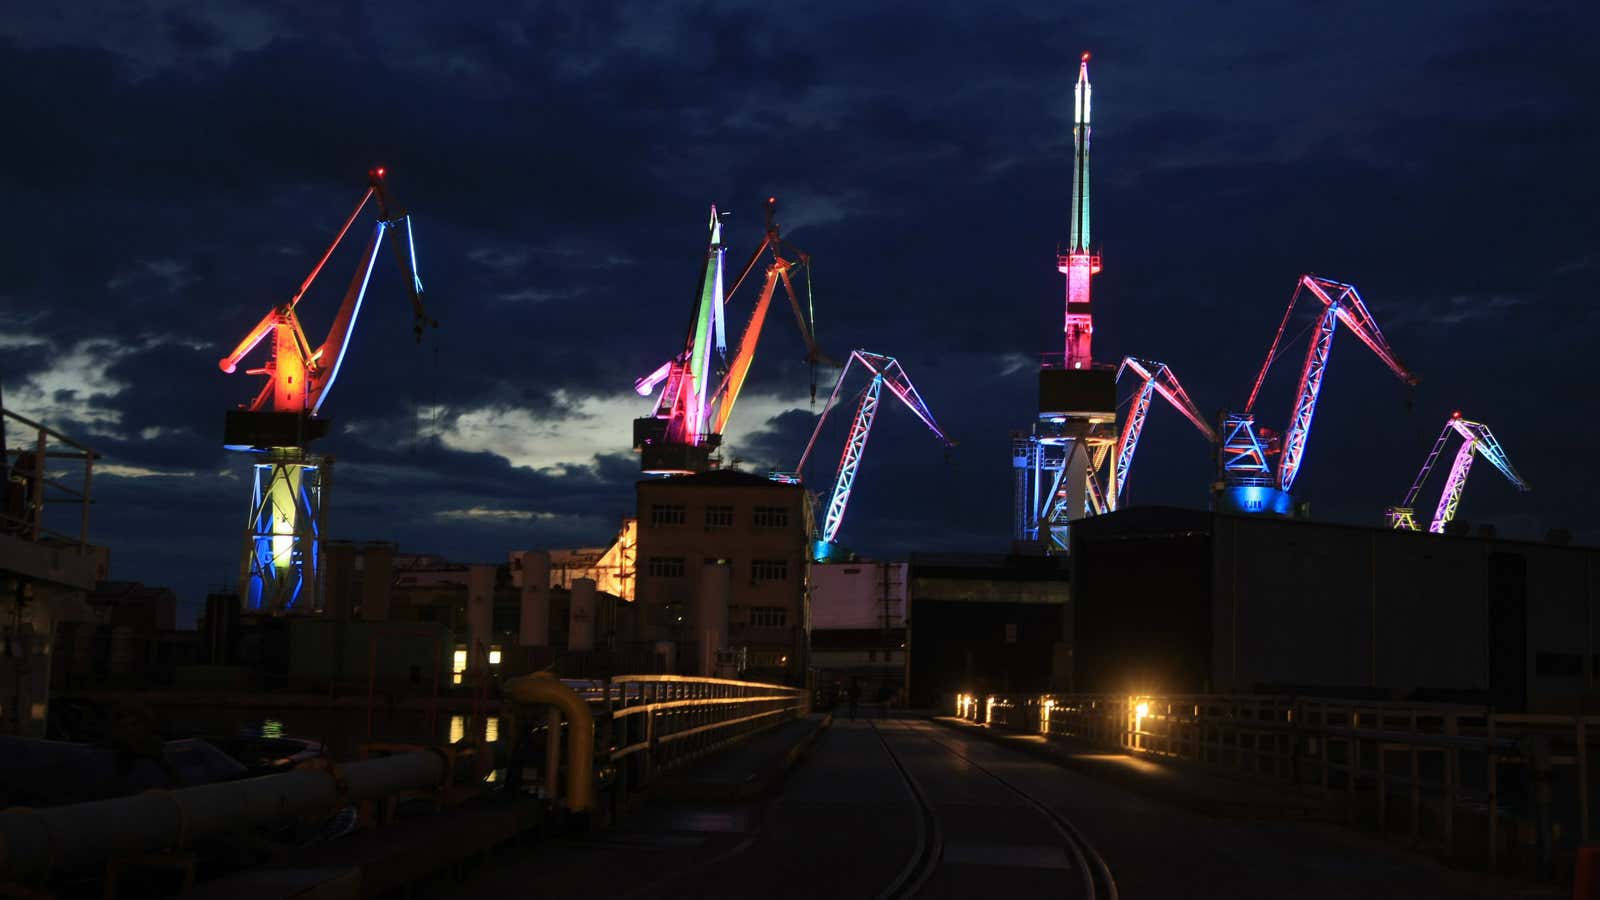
458 728
1142 710
494 657
458 663
491 729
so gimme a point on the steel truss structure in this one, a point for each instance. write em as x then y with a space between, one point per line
1155 379
1477 440
886 372
700 385
280 568
1250 483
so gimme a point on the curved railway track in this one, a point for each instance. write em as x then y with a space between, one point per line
1096 879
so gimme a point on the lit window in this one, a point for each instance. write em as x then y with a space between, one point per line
666 566
458 663
772 516
769 570
494 657
667 514
768 617
719 517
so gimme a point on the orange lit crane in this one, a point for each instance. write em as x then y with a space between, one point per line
280 568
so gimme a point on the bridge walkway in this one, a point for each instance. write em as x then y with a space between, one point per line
905 807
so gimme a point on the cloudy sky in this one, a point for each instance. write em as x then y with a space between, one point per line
171 171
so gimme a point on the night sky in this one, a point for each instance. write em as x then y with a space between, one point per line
170 171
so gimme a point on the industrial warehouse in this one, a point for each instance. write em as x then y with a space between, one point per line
353 716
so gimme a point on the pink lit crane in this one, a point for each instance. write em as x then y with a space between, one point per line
1154 378
1477 440
1249 482
700 385
885 371
280 567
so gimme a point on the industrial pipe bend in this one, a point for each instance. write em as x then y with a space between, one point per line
543 689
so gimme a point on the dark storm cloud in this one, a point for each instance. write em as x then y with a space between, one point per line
173 173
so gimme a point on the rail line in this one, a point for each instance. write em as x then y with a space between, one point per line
1097 880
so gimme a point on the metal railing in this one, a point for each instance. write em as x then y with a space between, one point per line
30 484
661 721
1417 766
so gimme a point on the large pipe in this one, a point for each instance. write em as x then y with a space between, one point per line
85 834
543 689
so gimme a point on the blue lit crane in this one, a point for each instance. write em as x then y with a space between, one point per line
886 372
1249 482
1478 440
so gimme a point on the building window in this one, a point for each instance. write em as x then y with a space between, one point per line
666 566
768 659
769 570
768 617
772 517
1559 665
719 517
667 514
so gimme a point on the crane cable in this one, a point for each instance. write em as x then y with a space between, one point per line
811 313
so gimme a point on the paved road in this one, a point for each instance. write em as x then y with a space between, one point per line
905 807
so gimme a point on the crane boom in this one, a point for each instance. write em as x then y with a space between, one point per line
298 375
1477 440
1341 303
701 385
1154 378
886 372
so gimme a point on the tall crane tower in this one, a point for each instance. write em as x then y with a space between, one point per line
1077 398
1250 482
1477 440
700 385
885 371
280 566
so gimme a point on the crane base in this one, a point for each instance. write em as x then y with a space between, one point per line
1253 500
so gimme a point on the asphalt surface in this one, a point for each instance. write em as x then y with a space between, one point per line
906 807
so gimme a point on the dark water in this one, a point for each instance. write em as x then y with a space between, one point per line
341 731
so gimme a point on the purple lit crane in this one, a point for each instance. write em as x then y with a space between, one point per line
1154 378
886 372
1478 440
1249 482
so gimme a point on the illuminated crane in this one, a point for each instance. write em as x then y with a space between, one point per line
1054 462
1477 440
886 372
1249 481
1154 379
700 385
280 567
